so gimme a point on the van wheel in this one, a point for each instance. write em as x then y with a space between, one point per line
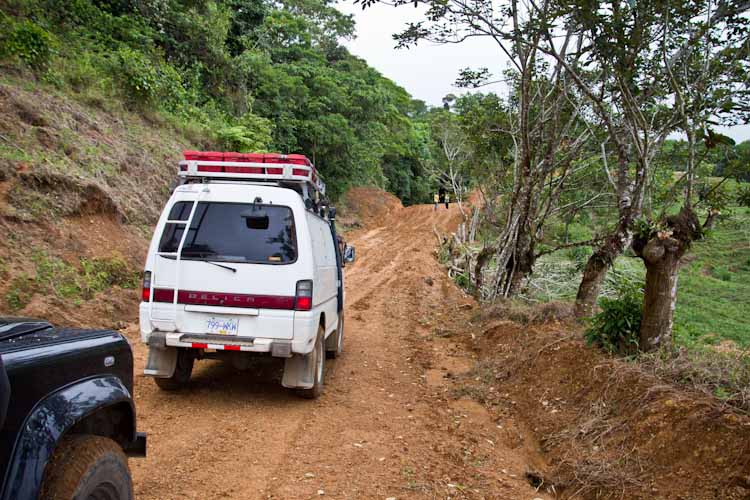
319 362
181 375
87 467
335 347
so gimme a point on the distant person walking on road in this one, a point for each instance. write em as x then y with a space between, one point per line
447 199
436 200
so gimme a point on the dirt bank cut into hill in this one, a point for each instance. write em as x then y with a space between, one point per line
605 428
367 207
81 183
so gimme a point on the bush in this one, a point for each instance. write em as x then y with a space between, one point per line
714 196
54 276
743 196
28 42
144 81
100 274
137 76
616 327
83 72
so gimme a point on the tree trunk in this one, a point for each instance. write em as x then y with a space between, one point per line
597 267
591 282
662 260
661 254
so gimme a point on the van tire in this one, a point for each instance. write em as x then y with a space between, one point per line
87 466
335 347
319 359
182 371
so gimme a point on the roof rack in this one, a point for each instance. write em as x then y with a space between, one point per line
254 167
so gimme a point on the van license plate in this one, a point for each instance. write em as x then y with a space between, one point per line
223 326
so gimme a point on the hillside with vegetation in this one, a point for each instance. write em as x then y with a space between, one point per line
236 75
98 100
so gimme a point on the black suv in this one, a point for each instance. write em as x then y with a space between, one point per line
67 418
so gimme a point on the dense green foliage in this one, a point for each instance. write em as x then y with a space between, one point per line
251 75
615 327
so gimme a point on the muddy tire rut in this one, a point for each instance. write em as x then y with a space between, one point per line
389 425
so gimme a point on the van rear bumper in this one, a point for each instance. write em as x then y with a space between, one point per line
277 348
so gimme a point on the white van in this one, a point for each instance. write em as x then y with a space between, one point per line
244 260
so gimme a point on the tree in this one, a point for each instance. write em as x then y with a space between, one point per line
707 77
546 130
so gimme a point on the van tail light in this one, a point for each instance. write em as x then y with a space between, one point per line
146 294
303 297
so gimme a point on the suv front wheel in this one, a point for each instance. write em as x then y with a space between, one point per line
87 467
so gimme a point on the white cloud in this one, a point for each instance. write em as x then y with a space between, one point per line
428 71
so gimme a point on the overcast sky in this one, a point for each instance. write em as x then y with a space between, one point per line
429 71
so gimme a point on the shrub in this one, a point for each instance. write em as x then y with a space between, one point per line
28 42
19 293
56 277
253 134
83 72
145 81
714 196
136 75
743 196
615 328
99 274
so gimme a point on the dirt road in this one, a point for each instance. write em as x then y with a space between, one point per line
391 423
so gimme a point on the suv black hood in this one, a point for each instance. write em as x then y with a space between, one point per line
14 327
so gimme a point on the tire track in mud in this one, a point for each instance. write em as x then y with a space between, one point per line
381 430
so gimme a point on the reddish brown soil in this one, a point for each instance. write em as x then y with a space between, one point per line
386 425
606 429
430 399
368 207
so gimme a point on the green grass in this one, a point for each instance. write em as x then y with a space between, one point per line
55 276
713 294
713 297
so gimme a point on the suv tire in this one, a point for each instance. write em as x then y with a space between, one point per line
319 359
336 346
84 467
182 372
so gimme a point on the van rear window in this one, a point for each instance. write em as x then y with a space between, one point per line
235 232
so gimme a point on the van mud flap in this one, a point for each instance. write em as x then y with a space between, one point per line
299 372
162 359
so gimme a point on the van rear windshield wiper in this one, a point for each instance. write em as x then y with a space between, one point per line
228 268
220 265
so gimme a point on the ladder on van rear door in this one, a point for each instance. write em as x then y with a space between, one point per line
176 256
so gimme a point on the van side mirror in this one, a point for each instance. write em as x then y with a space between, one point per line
349 254
332 213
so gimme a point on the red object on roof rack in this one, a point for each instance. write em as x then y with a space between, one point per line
204 155
251 166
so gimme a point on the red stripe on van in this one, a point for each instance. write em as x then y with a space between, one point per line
231 348
224 299
196 345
